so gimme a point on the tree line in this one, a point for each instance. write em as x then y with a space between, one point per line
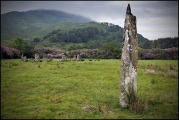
107 50
162 43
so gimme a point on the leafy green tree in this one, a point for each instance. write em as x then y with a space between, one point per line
72 47
167 42
113 49
147 45
23 47
35 41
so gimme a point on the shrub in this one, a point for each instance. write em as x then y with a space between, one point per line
157 53
48 51
148 56
7 52
82 59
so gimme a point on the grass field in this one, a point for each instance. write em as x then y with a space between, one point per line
85 89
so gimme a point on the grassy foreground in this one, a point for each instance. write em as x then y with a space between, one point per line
85 89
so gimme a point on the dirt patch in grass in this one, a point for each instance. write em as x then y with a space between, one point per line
171 73
88 108
150 71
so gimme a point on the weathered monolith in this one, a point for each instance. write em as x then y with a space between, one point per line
129 60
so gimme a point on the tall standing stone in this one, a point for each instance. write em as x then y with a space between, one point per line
129 59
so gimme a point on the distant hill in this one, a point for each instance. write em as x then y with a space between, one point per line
57 27
26 24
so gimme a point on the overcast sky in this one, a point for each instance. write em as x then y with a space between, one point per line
155 19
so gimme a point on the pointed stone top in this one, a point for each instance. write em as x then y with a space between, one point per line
128 11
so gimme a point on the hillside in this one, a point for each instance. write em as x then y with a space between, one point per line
26 24
86 33
56 27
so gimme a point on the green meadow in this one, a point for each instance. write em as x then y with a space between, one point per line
85 89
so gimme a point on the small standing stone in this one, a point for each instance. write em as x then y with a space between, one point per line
22 57
63 58
78 57
44 58
74 57
37 58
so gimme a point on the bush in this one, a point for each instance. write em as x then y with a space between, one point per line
8 52
23 47
160 54
82 59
